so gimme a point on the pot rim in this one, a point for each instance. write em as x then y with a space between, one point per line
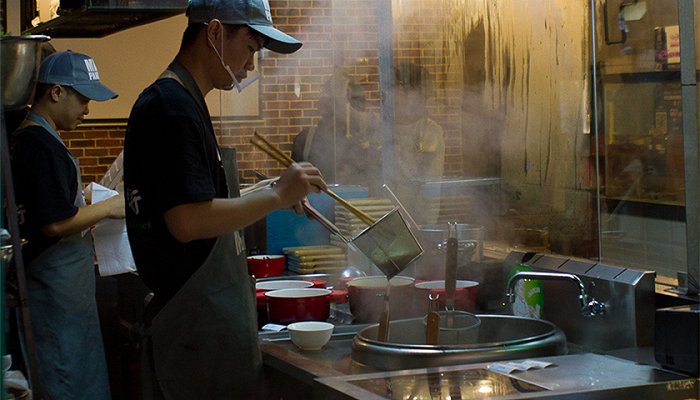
461 284
397 281
265 257
301 284
302 293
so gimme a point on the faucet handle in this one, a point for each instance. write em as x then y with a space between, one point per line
594 308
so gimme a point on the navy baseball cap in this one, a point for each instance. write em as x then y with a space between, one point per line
77 71
253 13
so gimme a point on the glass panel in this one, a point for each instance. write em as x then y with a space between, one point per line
484 114
483 106
642 220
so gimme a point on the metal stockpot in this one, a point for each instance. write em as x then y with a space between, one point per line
433 239
21 56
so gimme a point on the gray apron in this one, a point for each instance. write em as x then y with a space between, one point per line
203 343
61 297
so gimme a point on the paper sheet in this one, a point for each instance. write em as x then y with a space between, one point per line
111 242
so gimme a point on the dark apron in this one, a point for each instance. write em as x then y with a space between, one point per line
203 343
65 323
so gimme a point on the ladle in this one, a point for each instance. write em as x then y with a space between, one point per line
451 274
432 331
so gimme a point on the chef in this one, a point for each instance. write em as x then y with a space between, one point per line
55 220
184 216
418 139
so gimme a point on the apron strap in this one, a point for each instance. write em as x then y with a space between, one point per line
168 74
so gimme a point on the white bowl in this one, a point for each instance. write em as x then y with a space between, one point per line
310 335
282 284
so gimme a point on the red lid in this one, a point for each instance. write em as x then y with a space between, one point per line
318 283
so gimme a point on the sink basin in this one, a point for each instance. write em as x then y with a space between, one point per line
500 337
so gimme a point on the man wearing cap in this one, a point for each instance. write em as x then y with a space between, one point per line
55 220
184 212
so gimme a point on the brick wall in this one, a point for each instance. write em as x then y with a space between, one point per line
338 36
96 147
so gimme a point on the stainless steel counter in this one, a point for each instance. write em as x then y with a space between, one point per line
331 374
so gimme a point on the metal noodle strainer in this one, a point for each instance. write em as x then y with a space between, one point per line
389 244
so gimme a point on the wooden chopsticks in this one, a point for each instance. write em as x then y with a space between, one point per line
260 142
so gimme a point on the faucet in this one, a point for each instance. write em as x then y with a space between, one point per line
590 307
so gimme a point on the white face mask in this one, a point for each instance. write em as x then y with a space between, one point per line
252 76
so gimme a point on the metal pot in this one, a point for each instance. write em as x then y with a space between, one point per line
293 305
433 239
21 56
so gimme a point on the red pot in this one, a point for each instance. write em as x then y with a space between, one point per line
365 295
267 286
266 265
465 295
293 305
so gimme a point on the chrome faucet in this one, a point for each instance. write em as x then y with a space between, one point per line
590 307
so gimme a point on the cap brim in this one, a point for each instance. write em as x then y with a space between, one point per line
278 41
95 91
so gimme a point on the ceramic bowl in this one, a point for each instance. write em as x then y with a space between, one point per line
310 335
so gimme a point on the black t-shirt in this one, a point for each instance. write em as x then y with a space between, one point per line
171 158
46 184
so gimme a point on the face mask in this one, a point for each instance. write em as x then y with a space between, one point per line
252 76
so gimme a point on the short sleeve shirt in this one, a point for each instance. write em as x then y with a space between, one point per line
46 185
171 158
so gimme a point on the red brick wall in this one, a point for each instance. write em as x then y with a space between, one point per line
334 33
96 147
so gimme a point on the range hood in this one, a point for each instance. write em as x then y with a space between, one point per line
99 18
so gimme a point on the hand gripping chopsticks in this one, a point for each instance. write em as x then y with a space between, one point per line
267 147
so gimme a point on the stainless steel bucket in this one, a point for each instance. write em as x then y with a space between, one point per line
21 56
433 239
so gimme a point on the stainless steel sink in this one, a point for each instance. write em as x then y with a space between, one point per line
500 337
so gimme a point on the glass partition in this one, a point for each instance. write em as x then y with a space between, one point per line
557 126
471 111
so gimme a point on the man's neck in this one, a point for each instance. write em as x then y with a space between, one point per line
197 69
38 109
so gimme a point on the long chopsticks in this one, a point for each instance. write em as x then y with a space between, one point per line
262 143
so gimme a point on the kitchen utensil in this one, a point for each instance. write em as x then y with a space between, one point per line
310 335
433 239
464 327
21 56
366 294
388 243
451 274
395 200
432 328
294 305
347 274
262 143
383 332
465 295
283 284
263 266
352 272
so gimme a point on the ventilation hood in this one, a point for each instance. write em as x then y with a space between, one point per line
99 18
